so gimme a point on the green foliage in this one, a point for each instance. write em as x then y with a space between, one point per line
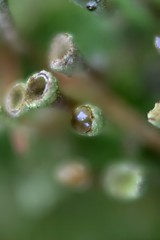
120 44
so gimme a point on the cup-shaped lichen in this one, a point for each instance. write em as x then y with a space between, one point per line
154 115
15 100
41 89
124 180
64 55
73 174
87 120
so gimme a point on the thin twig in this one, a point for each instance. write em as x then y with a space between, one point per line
8 30
84 89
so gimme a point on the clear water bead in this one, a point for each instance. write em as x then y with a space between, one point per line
91 5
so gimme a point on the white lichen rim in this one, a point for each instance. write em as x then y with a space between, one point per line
154 115
63 52
50 91
73 173
22 107
133 187
157 43
97 120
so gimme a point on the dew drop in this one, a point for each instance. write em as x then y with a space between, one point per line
157 42
91 5
82 119
87 120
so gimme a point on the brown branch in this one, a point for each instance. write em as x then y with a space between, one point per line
8 30
10 69
84 89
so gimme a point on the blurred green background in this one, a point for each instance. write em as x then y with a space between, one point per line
32 205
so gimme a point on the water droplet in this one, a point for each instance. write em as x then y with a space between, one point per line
82 119
87 120
91 5
157 42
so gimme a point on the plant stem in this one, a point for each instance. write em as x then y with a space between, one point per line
85 89
8 30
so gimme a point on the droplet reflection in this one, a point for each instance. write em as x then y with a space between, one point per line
157 43
82 119
91 5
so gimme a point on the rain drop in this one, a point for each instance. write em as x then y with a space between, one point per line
91 5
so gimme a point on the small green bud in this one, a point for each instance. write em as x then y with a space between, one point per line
87 120
15 100
124 181
41 90
154 115
64 56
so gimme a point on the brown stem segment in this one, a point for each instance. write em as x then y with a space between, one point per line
8 30
84 89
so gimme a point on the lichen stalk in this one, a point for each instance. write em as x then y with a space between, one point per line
64 56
